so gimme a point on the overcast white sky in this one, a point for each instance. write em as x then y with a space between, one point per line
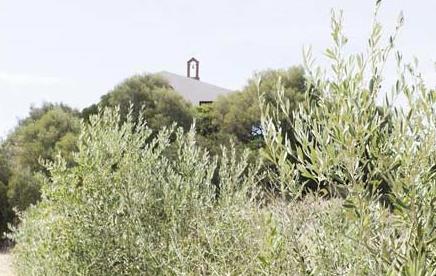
74 51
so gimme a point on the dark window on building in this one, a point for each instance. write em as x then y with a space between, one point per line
205 102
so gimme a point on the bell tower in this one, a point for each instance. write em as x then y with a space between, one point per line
193 67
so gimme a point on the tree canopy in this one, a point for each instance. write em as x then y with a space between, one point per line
150 96
237 116
4 167
46 132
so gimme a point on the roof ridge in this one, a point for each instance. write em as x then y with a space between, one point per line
192 80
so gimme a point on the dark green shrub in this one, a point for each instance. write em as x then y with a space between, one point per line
23 189
48 131
237 115
149 96
5 210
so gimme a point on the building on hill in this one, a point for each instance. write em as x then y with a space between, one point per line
190 87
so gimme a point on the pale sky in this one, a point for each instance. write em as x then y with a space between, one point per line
74 51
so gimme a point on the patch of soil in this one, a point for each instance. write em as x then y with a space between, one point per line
6 264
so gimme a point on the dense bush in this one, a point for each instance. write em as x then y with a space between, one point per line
146 214
53 128
46 132
138 214
5 210
4 165
236 116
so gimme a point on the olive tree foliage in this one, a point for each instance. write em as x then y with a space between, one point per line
46 132
151 97
142 213
345 144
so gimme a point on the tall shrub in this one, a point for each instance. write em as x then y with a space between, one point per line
128 209
346 144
